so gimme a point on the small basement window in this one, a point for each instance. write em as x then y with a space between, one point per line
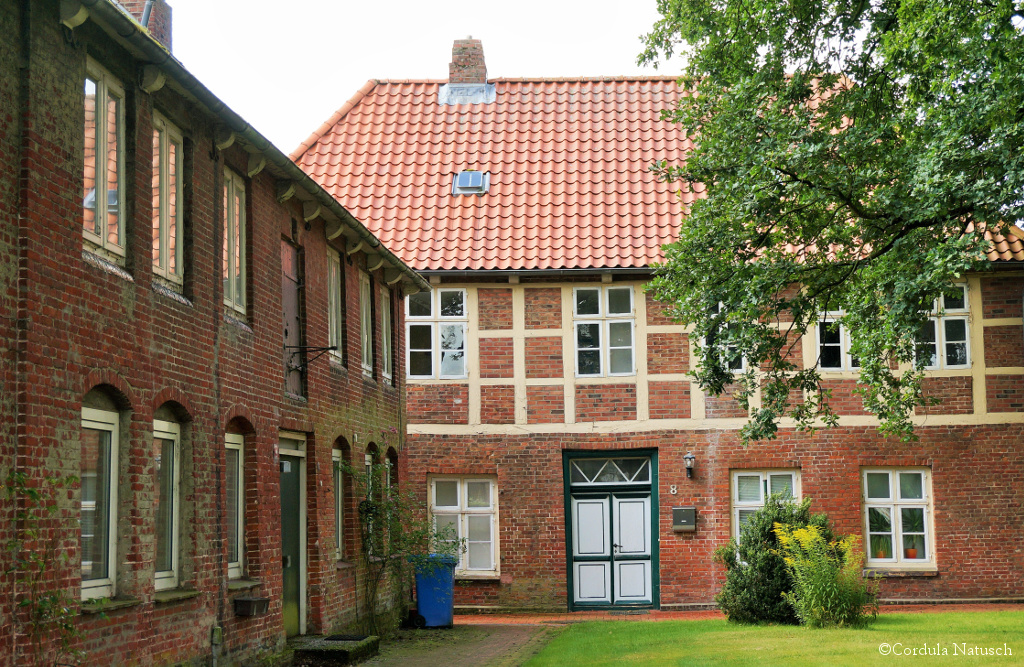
471 182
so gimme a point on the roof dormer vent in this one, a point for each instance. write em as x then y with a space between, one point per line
471 182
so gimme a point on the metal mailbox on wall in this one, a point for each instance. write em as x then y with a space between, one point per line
684 519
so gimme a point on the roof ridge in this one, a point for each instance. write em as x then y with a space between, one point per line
329 124
550 79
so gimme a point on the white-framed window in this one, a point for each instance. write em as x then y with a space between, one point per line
944 341
234 479
104 168
604 328
167 502
168 200
750 489
338 478
233 247
735 361
366 321
336 306
468 507
833 340
386 334
898 516
435 337
98 517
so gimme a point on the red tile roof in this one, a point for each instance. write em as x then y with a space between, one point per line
569 162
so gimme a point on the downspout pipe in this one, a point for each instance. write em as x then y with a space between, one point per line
145 13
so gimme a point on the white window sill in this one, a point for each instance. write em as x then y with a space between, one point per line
478 576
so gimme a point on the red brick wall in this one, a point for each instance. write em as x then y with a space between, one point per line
669 400
545 405
1004 346
667 353
723 406
497 404
543 308
954 393
843 400
1002 297
86 324
605 402
544 357
977 480
496 358
656 311
495 307
437 403
1004 393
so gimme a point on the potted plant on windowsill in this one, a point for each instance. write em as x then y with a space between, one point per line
913 523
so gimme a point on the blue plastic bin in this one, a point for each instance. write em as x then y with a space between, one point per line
435 586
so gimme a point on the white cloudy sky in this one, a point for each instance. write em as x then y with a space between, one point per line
287 65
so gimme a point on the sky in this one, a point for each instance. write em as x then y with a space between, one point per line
286 65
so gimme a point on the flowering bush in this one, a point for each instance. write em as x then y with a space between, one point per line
756 575
828 589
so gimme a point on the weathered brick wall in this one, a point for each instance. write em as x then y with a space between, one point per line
496 358
495 306
966 464
1004 346
669 400
955 395
668 353
88 325
544 357
543 306
1002 297
656 311
723 406
1004 393
497 404
545 405
605 402
843 400
437 404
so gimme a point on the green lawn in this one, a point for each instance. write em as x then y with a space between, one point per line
718 642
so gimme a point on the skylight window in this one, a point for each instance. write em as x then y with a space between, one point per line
471 182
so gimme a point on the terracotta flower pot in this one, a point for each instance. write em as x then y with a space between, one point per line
880 554
911 553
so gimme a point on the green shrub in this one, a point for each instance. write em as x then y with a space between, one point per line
828 589
756 575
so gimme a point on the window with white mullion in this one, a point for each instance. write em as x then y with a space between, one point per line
166 502
834 345
98 509
366 322
603 331
751 488
235 503
944 340
436 324
897 516
168 198
386 334
735 362
233 246
338 479
104 162
466 508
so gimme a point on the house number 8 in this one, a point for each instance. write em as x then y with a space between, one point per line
672 489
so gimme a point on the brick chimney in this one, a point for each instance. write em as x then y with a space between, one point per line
159 18
467 64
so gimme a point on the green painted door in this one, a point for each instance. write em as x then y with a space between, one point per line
291 554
